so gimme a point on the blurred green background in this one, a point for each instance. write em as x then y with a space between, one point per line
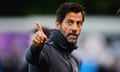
28 7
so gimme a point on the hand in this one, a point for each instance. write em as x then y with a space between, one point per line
39 37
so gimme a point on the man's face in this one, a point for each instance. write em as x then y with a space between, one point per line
71 26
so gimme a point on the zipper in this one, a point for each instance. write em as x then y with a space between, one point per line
73 64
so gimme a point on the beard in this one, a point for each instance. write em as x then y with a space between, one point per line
72 41
72 38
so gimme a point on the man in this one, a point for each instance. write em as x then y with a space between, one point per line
53 54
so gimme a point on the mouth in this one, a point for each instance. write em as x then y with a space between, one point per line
73 36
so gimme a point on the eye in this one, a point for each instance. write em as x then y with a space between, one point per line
79 23
70 22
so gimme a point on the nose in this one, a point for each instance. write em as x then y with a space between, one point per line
74 28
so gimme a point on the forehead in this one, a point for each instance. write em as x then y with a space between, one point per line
74 16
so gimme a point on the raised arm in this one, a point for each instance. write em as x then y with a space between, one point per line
38 40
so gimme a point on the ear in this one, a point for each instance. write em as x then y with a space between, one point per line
57 23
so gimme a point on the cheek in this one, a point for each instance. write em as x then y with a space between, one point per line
65 30
79 30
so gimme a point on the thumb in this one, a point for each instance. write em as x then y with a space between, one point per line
38 25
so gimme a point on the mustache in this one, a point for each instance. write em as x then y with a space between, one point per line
73 34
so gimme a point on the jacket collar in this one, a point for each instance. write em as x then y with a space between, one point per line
61 42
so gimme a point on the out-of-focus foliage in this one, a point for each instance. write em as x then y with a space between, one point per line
28 7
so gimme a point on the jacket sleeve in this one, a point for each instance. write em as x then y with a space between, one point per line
32 54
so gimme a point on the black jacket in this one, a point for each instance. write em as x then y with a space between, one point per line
54 56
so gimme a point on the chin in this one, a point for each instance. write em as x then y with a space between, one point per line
72 41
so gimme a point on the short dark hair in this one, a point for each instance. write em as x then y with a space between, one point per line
68 7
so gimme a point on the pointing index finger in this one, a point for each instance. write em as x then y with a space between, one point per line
39 27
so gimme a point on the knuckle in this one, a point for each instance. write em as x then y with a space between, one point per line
36 42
